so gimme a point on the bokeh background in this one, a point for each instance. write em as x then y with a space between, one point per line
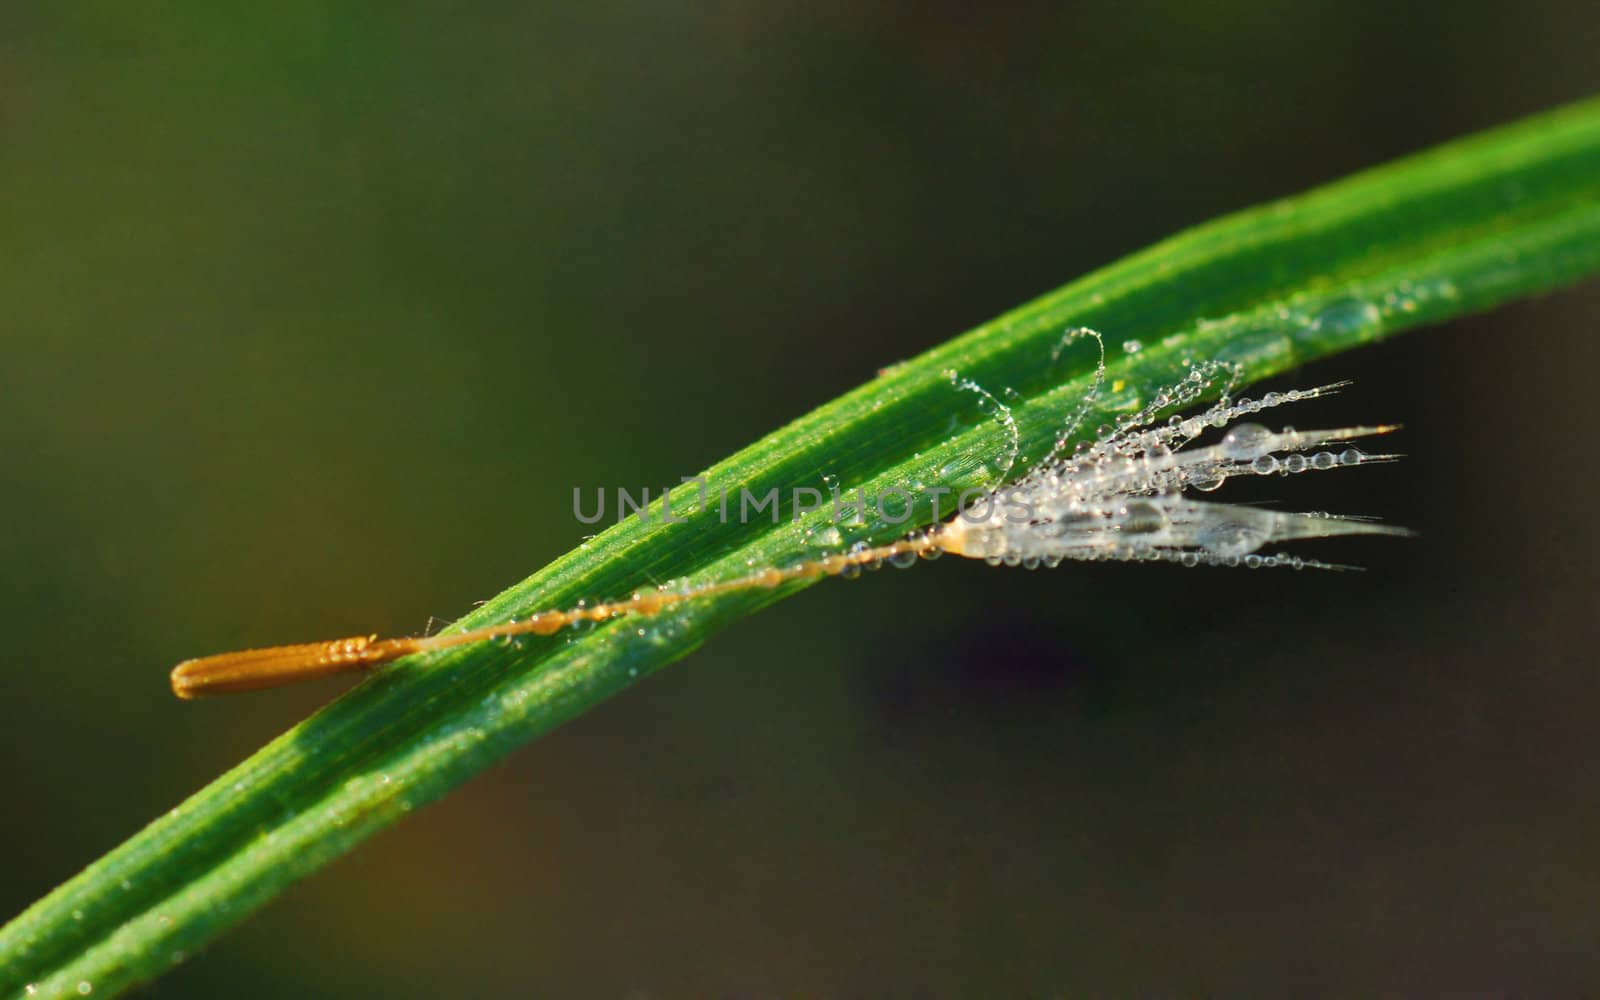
315 313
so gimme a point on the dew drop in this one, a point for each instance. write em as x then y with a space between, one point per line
857 549
1142 518
1346 315
1206 480
1247 441
1231 539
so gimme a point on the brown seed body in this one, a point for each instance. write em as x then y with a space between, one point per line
274 666
253 669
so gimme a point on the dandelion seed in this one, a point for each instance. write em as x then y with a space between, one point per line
1127 496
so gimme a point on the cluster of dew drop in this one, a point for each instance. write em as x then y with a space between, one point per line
1127 495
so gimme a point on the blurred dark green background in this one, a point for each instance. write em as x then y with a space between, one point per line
316 313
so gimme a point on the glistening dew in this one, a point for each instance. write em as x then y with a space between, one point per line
1127 496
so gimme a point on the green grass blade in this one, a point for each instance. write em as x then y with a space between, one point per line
1504 214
